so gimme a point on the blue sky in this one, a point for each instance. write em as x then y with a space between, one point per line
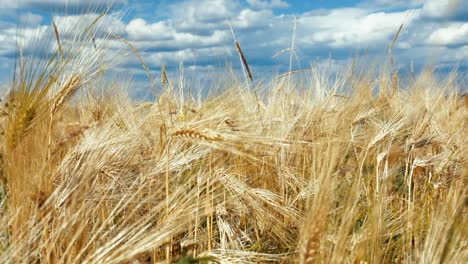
196 32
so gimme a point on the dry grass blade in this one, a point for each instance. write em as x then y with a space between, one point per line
287 74
280 52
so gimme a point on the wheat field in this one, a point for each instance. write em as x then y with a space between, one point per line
361 168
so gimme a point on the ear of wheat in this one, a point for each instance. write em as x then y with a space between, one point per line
66 92
200 134
244 61
163 76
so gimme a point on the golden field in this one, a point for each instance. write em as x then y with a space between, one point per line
361 168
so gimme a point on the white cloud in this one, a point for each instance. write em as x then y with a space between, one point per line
453 34
443 8
139 29
162 35
397 3
249 18
202 15
30 19
456 55
191 27
26 38
73 25
216 15
403 45
61 5
9 4
184 55
434 55
265 4
262 33
361 29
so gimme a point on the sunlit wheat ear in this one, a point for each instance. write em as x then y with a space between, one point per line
241 256
311 247
198 134
72 131
66 92
16 128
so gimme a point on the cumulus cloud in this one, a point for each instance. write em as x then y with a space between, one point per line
30 19
265 4
191 33
25 37
139 29
201 16
190 27
162 36
7 38
75 6
74 24
456 55
452 34
397 3
8 4
262 33
362 28
251 19
440 9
